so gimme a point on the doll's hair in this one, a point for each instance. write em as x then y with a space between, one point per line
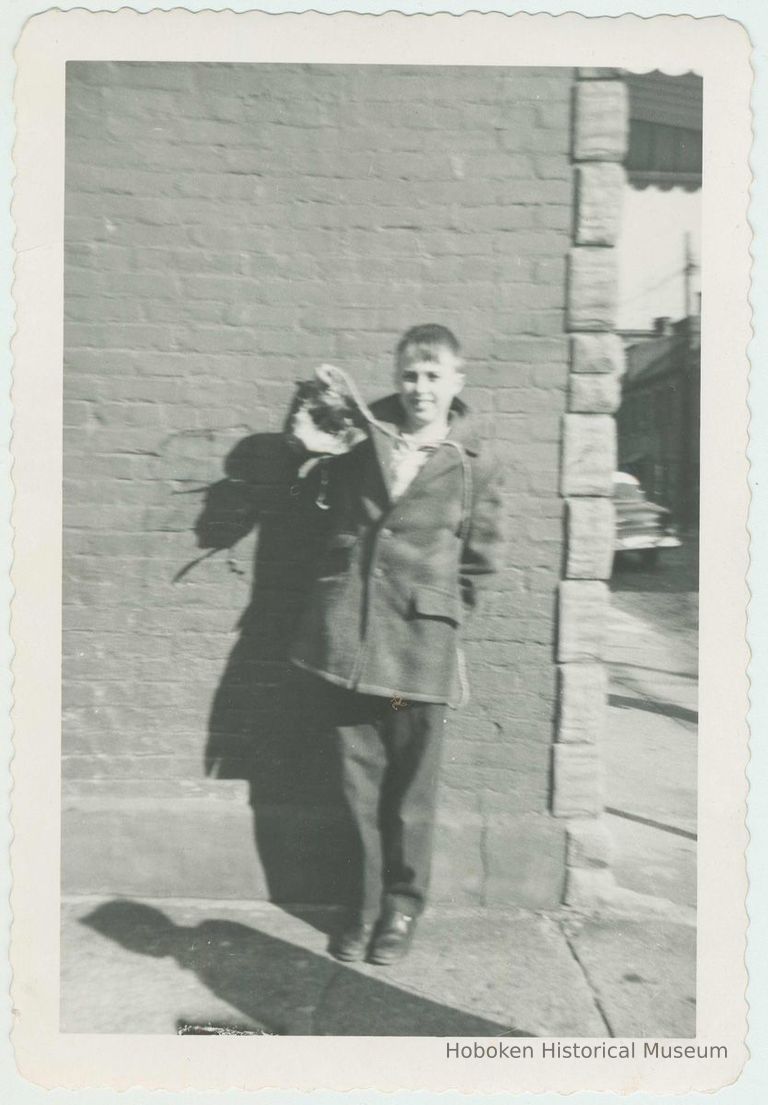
425 341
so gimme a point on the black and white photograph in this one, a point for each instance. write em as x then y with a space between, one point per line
382 481
321 361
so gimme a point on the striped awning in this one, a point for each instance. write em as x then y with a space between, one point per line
665 132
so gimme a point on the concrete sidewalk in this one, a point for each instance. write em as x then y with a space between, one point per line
163 967
650 750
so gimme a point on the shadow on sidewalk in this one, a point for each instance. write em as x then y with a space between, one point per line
666 709
621 665
279 988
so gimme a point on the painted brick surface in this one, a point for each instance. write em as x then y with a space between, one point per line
589 844
590 889
578 784
601 120
600 194
583 612
597 353
589 454
591 528
583 702
592 303
589 458
594 393
227 229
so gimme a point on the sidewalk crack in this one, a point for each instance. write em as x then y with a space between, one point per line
609 1030
484 859
331 982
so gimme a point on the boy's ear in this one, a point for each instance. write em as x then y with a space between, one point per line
461 380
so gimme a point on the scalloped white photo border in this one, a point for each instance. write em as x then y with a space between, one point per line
716 48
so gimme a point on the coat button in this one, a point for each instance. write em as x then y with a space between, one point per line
379 572
386 533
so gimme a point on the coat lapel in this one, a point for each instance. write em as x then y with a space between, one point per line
388 412
383 447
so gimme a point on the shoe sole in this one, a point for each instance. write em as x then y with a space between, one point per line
348 958
389 961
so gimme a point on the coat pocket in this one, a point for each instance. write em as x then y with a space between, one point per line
434 602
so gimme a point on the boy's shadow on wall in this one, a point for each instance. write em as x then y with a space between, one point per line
263 727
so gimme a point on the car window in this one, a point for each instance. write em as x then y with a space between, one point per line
627 491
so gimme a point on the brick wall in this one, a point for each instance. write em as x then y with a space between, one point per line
227 228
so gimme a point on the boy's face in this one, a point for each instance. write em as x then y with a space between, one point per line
428 386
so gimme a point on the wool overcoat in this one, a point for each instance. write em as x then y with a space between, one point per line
395 577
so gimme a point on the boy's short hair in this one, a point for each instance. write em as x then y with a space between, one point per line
427 338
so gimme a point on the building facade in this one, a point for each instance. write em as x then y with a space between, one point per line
659 417
228 227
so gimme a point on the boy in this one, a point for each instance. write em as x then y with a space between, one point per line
414 512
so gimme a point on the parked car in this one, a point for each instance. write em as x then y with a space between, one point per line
641 526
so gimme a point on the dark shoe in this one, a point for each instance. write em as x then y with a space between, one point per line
352 943
393 939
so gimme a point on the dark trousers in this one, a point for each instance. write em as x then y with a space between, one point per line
390 753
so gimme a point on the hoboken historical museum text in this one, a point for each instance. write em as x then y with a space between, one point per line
633 1049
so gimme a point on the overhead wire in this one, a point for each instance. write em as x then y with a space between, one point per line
679 272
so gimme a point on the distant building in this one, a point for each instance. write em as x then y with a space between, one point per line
659 417
658 422
661 224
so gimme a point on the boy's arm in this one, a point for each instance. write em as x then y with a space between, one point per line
484 545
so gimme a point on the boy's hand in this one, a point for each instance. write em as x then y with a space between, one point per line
332 378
